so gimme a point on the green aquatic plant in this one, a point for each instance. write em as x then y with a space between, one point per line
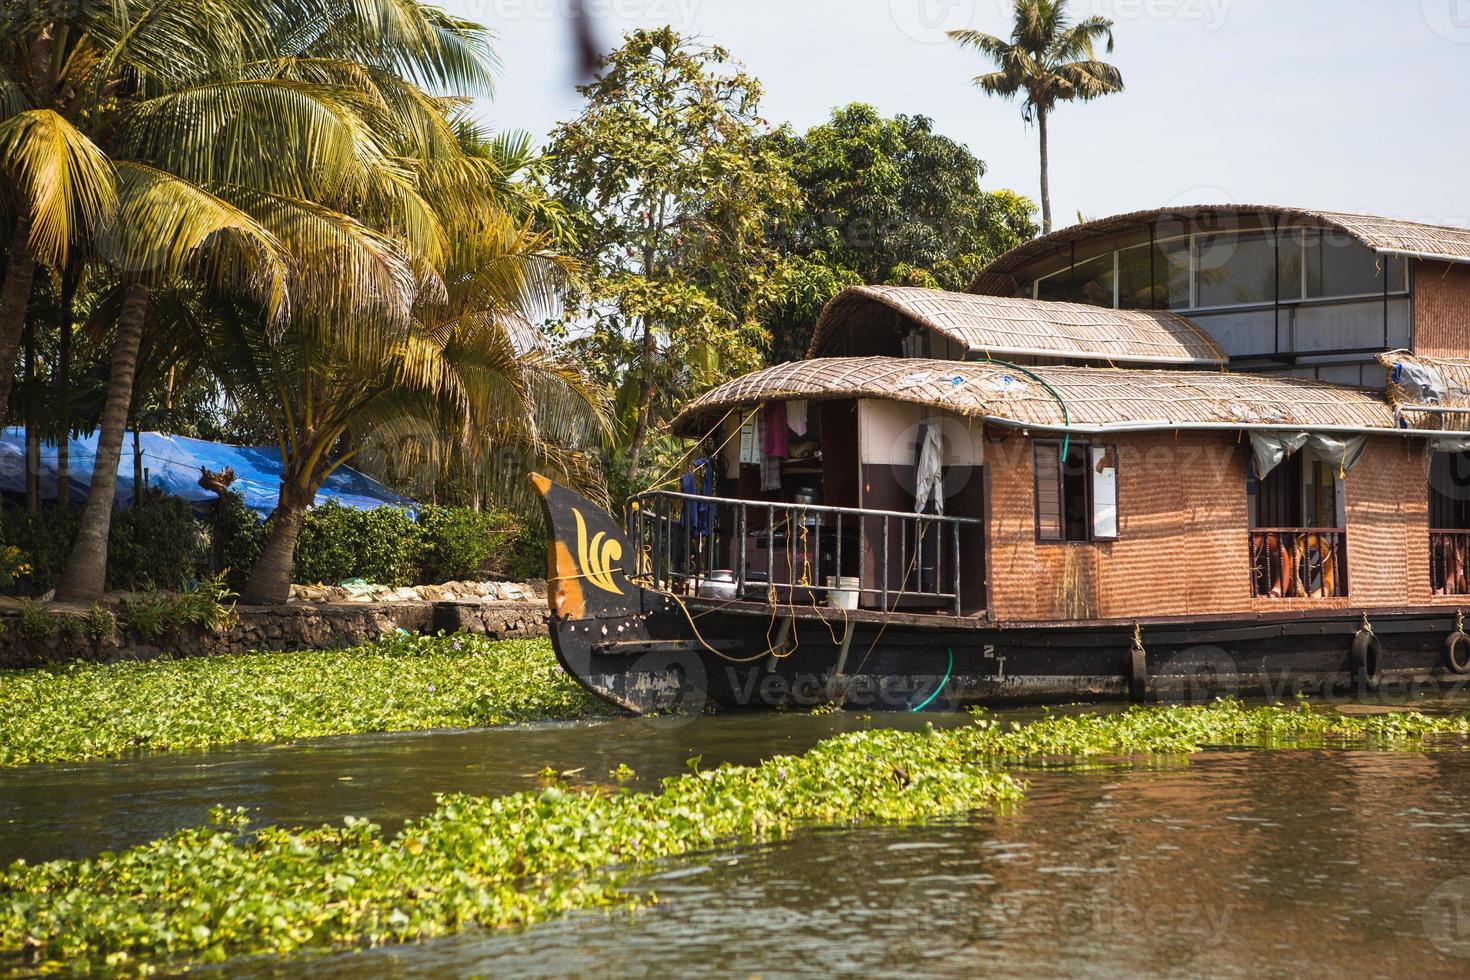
222 890
404 683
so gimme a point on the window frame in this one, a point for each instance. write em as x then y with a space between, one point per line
1296 235
1086 448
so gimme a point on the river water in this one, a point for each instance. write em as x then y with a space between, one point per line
1231 863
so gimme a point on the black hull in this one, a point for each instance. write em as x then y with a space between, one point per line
664 665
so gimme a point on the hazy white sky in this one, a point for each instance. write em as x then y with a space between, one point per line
1359 105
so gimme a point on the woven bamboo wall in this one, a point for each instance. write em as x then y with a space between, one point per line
1183 547
1184 544
1441 309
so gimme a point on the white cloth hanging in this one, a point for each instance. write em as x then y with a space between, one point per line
930 481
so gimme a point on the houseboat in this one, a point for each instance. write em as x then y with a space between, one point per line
1182 453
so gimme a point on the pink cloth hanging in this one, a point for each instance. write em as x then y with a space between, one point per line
777 440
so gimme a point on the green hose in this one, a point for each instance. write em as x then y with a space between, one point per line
947 671
1066 415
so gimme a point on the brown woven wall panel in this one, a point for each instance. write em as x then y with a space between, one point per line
1441 309
1184 546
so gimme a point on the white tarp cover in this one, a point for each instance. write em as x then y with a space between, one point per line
1269 448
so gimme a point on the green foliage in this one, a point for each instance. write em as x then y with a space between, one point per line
456 543
158 543
13 565
884 200
84 710
219 890
100 624
238 537
670 194
151 616
206 603
35 624
339 543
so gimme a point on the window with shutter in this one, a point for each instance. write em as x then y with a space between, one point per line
1048 491
1076 496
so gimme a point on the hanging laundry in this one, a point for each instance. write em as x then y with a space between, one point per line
750 441
796 416
699 482
776 439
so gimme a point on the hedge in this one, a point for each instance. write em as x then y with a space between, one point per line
156 544
161 544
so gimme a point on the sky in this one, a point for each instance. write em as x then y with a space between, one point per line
1351 105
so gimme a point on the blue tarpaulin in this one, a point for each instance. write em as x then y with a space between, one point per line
171 464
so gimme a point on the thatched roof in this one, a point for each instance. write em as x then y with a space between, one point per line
1097 399
1391 235
862 320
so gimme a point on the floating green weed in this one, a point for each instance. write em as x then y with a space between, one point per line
214 892
82 711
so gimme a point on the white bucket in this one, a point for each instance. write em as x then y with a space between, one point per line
843 592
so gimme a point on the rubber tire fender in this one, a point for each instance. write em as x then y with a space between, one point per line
1367 660
1458 640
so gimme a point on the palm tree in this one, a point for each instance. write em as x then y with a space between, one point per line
231 142
462 382
1051 60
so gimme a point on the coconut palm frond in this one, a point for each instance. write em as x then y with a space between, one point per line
66 182
166 227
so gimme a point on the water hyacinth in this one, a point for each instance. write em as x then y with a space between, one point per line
404 683
217 891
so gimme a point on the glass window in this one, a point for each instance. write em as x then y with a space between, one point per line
1057 288
1076 497
1095 281
1338 265
1169 287
1235 269
1091 282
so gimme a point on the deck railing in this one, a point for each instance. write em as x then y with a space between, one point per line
750 549
1304 563
1449 562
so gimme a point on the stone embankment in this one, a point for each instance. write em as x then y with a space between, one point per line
317 617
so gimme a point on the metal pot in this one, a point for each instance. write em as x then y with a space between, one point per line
720 584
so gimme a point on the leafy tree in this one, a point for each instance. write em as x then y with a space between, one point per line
670 192
884 200
1051 60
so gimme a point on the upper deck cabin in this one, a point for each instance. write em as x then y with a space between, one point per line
1029 459
1310 293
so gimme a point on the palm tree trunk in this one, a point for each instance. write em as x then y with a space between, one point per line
31 423
15 297
270 579
1045 175
86 570
63 392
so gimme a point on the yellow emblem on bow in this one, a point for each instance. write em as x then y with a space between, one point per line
597 557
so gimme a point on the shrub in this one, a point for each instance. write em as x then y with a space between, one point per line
157 543
35 624
525 552
100 624
239 536
151 616
339 543
457 543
